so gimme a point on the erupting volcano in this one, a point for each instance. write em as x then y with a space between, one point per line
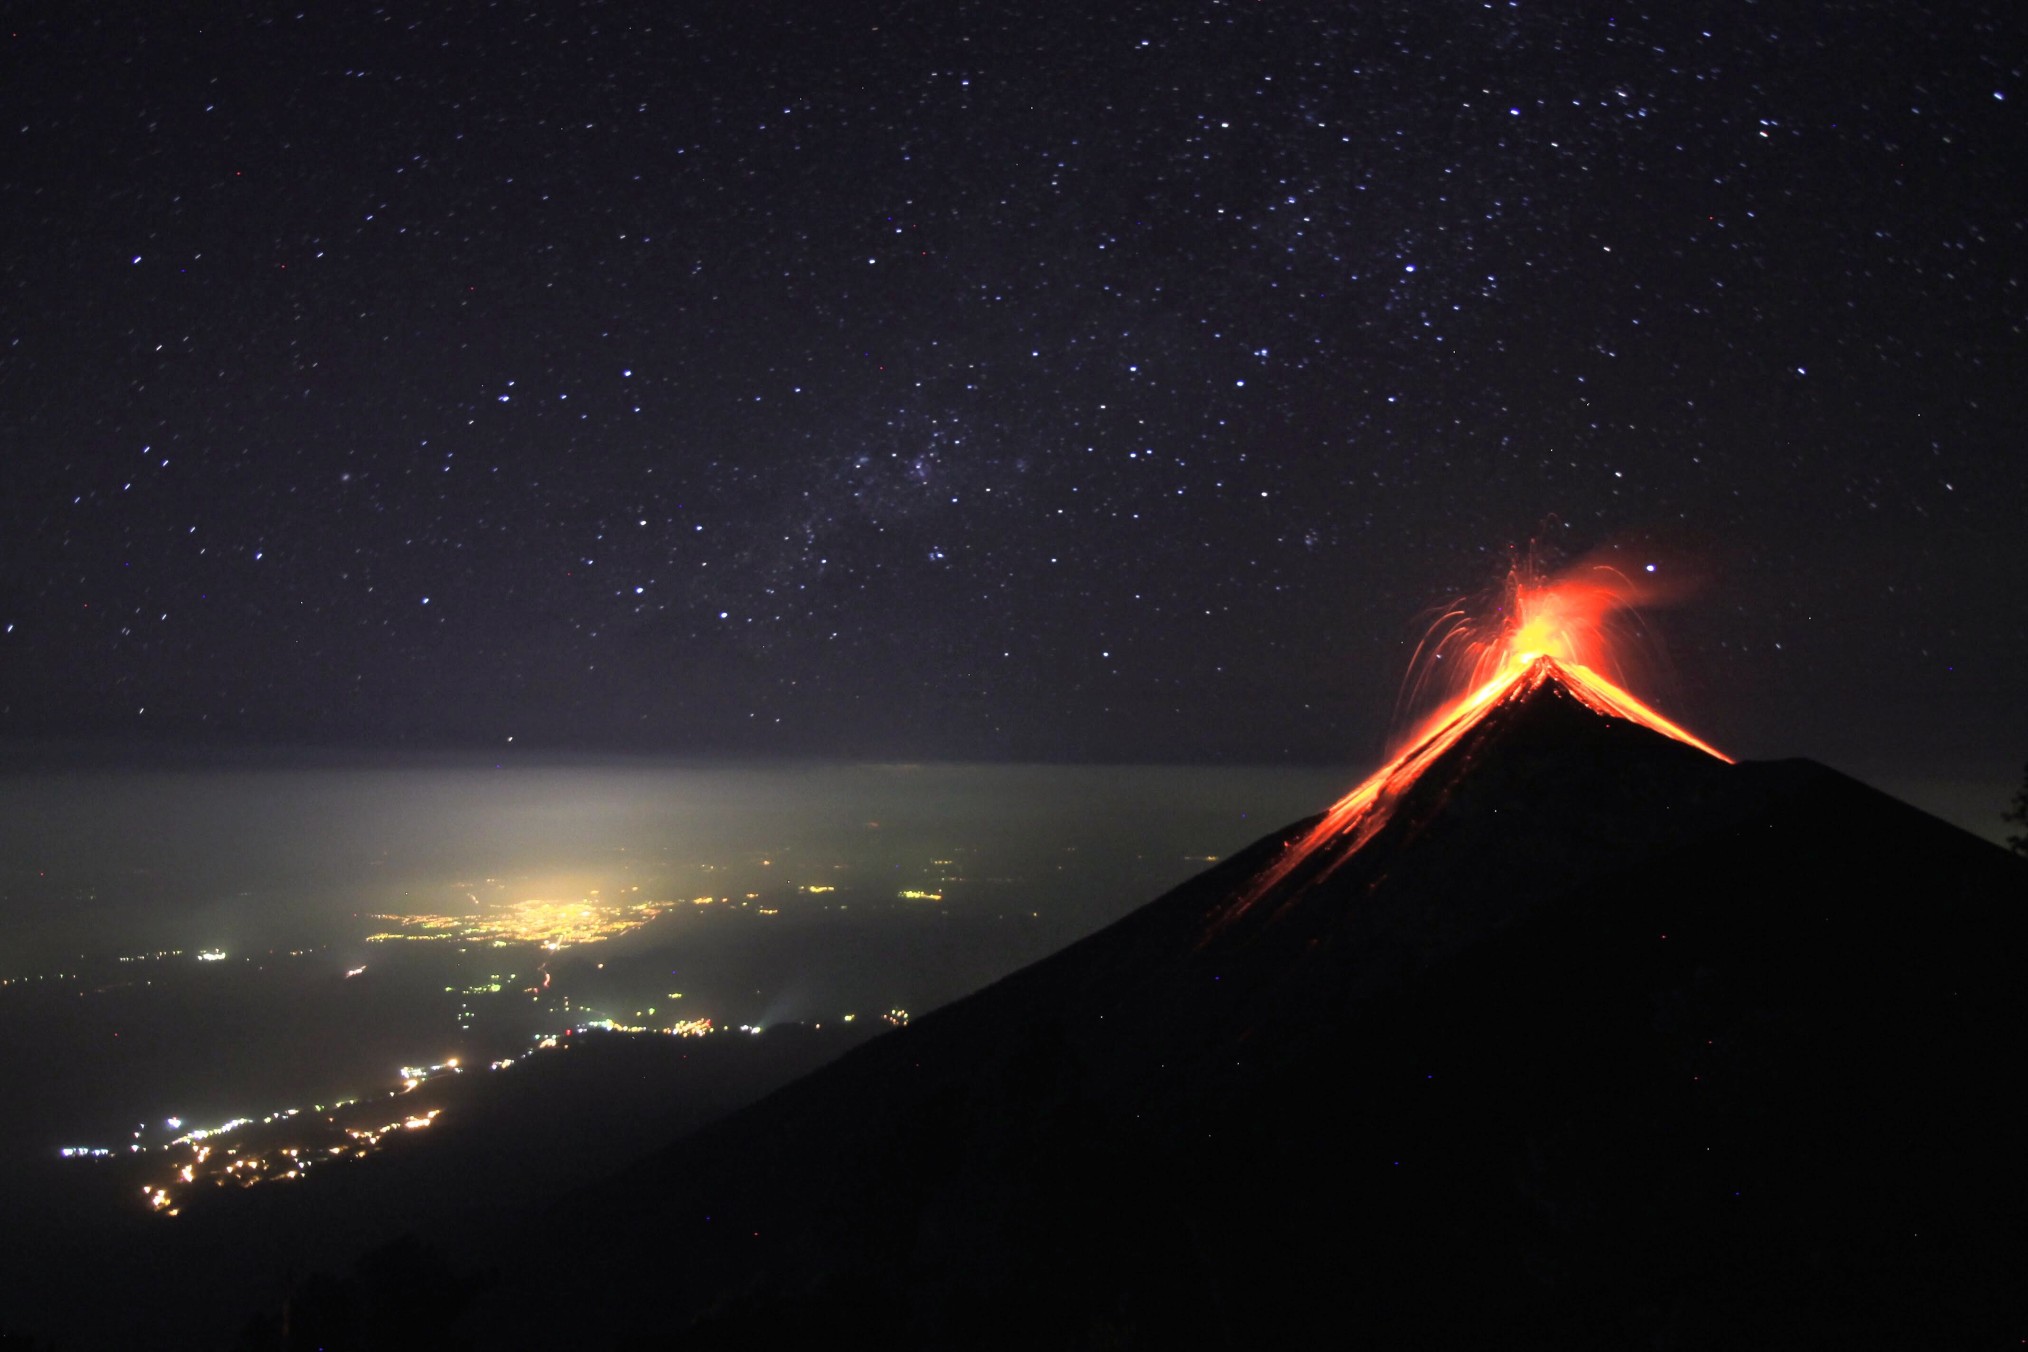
1561 1031
1556 631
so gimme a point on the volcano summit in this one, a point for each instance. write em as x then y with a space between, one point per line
1573 1034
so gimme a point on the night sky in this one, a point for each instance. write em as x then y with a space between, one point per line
966 380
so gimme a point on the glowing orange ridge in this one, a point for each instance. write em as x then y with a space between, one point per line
1354 819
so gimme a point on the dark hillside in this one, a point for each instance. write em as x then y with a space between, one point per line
1601 1042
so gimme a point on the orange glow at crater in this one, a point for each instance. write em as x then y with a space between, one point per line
1561 630
1577 618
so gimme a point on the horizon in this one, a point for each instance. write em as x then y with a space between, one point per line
1972 802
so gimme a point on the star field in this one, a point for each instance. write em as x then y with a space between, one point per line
984 380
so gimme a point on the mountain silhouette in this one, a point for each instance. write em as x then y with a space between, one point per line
1594 1039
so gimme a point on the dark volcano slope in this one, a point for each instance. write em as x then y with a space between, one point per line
1600 1042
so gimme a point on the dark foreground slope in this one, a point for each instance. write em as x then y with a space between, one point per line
1601 1042
88 1269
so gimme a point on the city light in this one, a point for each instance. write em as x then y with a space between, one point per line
551 925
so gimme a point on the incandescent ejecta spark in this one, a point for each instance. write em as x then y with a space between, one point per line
1558 630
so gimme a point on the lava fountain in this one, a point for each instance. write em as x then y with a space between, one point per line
1563 629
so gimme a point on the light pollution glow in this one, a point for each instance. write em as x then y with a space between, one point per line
553 925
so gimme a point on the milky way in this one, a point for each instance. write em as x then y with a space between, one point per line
1014 381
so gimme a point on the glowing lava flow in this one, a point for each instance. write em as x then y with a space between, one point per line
1555 631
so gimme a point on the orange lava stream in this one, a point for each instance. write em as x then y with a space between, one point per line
1551 628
